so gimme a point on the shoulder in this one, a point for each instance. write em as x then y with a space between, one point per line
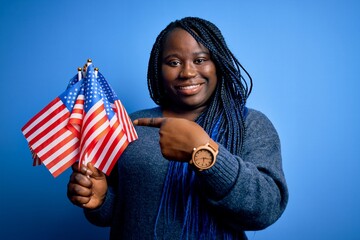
256 117
258 125
146 113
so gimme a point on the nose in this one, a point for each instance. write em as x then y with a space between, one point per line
188 71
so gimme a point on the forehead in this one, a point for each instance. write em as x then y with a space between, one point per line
179 39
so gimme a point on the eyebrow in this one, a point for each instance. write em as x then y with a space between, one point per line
194 54
202 52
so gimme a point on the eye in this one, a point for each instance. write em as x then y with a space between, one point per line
199 60
173 63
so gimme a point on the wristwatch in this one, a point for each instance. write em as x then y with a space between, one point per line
204 157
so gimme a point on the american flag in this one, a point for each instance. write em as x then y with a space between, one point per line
86 123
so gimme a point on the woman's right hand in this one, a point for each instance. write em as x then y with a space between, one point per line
87 186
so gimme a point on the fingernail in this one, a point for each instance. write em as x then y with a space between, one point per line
136 122
86 171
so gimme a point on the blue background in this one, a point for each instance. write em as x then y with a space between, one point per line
304 58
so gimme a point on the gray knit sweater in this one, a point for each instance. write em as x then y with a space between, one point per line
247 192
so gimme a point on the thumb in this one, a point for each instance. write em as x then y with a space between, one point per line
95 172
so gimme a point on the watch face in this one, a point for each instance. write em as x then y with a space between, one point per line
203 158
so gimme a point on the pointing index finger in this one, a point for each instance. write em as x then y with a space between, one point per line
150 122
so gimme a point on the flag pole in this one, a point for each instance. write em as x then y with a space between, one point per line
96 72
79 73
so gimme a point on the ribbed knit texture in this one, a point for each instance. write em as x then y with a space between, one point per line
222 175
247 192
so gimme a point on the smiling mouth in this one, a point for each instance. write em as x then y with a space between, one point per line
189 90
189 87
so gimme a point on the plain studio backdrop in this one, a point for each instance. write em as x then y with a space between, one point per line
303 56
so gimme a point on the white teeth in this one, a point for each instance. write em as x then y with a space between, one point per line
189 87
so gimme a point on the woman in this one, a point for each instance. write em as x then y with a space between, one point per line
205 166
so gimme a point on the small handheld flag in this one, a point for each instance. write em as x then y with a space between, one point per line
86 123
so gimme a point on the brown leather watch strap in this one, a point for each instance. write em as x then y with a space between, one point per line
214 145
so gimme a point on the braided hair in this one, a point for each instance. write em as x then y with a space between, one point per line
223 120
230 96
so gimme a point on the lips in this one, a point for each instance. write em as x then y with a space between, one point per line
189 89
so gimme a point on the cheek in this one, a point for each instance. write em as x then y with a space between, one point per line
166 77
210 69
167 74
210 72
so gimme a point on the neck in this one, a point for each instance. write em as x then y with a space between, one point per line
187 114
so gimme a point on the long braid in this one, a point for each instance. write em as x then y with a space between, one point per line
225 115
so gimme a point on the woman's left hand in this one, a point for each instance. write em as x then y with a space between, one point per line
178 136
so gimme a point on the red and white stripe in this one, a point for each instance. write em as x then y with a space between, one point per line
126 121
77 115
59 138
108 150
95 126
48 137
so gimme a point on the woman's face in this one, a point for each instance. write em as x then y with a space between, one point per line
188 72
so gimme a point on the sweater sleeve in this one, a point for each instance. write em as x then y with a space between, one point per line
102 216
249 192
